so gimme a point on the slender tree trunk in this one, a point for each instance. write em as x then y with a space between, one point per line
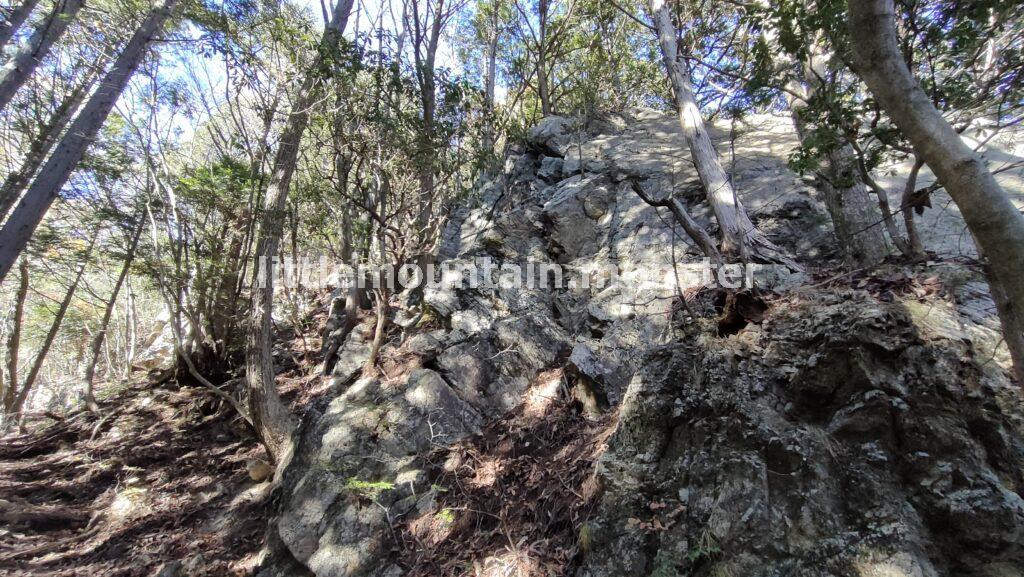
994 221
130 328
490 60
88 369
914 245
14 339
17 180
55 173
543 89
370 367
269 416
51 335
854 217
739 235
9 27
343 170
426 56
697 234
21 66
883 205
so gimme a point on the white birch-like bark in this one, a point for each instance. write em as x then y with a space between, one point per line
739 235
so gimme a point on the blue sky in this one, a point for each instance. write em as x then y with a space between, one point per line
211 75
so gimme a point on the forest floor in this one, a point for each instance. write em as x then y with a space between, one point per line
156 483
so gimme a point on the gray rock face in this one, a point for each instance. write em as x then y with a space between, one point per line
351 356
356 468
551 136
550 169
843 437
577 214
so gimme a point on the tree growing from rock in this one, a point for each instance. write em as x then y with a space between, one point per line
739 236
270 417
996 224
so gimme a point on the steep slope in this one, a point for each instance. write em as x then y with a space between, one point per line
862 425
159 477
164 480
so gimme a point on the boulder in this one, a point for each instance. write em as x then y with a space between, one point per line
551 136
550 169
357 469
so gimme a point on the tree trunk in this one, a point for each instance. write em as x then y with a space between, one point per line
426 57
994 221
487 139
51 335
130 328
854 217
739 235
914 244
542 86
342 171
543 89
270 417
14 340
224 312
13 22
17 180
24 62
88 369
697 234
370 366
55 173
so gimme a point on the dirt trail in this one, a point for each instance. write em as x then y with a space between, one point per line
150 481
158 479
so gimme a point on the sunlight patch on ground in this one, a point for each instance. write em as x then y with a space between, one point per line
514 562
538 399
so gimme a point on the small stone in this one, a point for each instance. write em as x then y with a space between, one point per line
259 470
170 569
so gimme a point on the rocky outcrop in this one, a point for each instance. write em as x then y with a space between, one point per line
841 437
847 431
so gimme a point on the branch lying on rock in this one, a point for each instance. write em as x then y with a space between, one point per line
703 240
693 230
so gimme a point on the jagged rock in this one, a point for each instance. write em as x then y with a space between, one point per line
357 468
841 437
550 169
574 211
608 123
578 160
551 136
442 299
470 368
840 423
427 345
586 361
351 356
